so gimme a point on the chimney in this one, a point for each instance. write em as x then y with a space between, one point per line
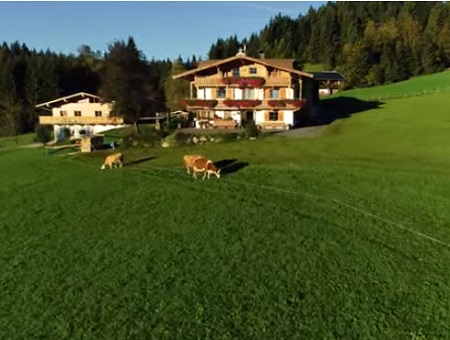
241 51
261 55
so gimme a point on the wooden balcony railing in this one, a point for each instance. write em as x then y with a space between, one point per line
217 81
278 81
51 120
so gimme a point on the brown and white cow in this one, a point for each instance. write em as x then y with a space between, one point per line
204 165
188 159
114 160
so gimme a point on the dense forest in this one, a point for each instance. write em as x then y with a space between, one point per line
371 43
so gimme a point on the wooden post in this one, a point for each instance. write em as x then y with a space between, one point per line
300 81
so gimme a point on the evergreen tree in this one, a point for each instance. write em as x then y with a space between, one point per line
124 81
178 89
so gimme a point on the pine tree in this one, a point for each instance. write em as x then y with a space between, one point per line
124 81
178 89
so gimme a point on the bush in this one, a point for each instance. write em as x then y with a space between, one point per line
144 138
43 133
66 132
251 130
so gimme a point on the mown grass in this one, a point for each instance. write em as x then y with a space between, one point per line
24 139
266 252
423 85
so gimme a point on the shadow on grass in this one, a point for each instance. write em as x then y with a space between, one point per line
138 161
331 109
229 166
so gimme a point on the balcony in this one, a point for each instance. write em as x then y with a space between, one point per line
219 81
238 104
51 120
278 81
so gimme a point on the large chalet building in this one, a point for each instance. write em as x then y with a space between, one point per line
230 92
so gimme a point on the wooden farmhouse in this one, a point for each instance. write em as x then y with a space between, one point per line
230 92
82 113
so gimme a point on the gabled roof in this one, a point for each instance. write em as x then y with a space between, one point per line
280 64
71 98
328 75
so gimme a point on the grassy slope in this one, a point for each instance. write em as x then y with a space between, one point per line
145 251
438 82
23 140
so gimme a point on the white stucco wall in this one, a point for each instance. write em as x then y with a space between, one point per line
87 109
237 93
288 117
208 93
259 117
201 93
289 93
260 94
90 129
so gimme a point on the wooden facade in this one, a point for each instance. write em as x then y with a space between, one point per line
270 92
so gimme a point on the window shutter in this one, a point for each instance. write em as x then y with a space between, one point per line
266 116
280 115
229 93
283 94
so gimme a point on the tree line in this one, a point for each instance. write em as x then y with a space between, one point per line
371 43
122 73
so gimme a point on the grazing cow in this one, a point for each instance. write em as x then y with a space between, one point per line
204 165
111 161
188 159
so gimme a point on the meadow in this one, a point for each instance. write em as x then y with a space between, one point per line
417 86
344 236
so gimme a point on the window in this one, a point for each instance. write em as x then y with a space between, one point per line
273 115
98 113
275 93
253 70
63 113
221 92
77 113
203 114
227 115
249 93
236 72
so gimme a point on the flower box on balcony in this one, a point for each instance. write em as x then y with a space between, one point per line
209 103
244 81
277 103
297 103
241 103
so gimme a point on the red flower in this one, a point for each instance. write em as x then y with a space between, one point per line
202 102
241 102
277 103
244 81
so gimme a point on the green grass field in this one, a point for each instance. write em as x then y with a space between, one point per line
22 140
423 85
345 236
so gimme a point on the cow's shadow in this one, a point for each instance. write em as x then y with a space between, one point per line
229 166
138 161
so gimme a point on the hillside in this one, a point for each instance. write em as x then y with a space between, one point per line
428 84
342 236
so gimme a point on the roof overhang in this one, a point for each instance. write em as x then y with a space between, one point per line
328 76
67 99
242 58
